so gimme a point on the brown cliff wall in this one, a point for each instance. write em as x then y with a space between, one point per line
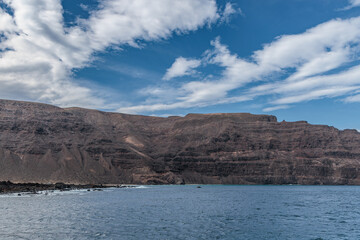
43 143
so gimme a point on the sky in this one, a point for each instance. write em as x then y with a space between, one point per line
295 59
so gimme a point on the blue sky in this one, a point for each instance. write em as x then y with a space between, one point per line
296 59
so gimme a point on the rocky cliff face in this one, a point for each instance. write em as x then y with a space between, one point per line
43 143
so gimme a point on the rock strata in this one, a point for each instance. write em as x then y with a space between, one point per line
43 143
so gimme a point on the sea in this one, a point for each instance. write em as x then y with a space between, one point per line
185 212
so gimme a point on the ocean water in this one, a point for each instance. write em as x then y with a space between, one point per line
185 212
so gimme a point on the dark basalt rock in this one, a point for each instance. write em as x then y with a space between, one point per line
34 188
47 144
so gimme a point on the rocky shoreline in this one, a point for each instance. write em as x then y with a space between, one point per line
7 187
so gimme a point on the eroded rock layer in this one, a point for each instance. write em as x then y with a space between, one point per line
47 144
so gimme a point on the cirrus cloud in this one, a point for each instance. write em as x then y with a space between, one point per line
322 62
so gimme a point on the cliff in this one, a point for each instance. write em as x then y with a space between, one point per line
46 144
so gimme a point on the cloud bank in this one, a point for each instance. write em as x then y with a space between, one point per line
38 53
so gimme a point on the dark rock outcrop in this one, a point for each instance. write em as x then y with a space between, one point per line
47 144
33 188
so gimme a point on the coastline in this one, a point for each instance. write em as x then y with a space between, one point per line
7 187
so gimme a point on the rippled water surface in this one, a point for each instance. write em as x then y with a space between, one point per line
186 212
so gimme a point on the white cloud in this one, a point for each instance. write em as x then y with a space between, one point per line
6 22
353 98
128 21
38 53
319 63
270 109
315 94
181 67
229 11
352 4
